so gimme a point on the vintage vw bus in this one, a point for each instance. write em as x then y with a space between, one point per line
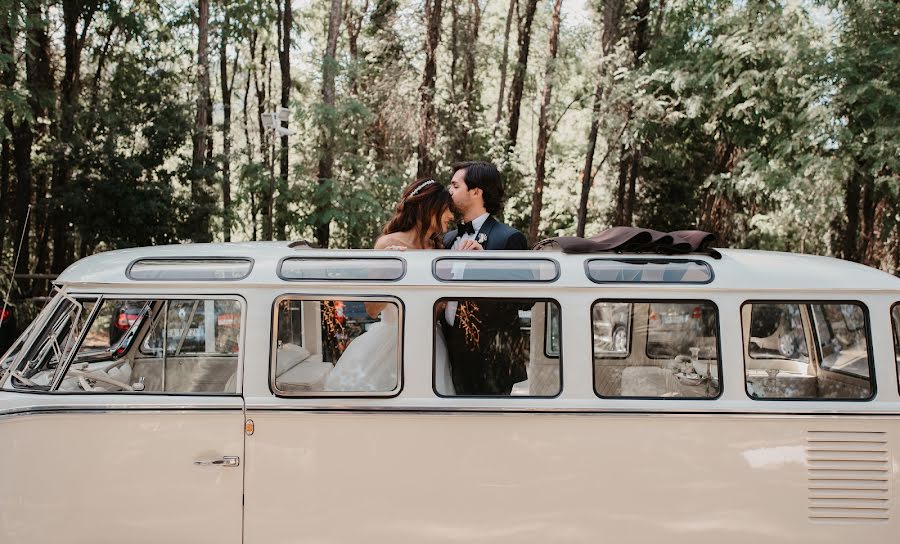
270 393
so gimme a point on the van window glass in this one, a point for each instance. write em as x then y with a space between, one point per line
52 345
147 346
551 331
611 325
799 350
496 347
189 269
481 269
648 271
351 269
658 349
337 347
895 322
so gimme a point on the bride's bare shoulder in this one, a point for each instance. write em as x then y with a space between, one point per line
389 240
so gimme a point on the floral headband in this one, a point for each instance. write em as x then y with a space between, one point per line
420 187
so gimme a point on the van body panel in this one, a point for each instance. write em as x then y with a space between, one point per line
89 476
486 477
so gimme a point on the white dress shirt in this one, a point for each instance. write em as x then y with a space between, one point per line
459 268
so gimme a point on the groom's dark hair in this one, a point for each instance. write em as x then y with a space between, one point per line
485 176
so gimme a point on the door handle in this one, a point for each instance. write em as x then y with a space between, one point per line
226 461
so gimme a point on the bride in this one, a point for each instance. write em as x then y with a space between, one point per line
369 363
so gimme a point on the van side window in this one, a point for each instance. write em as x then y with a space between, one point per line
497 347
159 346
658 349
895 326
797 350
337 346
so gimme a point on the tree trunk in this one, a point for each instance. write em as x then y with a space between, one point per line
326 159
42 99
517 86
73 12
8 23
354 23
632 181
612 16
22 142
200 222
261 93
285 60
540 159
639 45
867 221
504 61
426 164
620 190
227 86
454 47
247 140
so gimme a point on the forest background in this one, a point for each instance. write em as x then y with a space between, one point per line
773 123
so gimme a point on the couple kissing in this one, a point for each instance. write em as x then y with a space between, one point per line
422 217
490 361
487 363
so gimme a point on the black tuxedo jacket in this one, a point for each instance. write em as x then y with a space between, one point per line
499 236
492 363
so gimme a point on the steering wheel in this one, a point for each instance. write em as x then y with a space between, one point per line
83 378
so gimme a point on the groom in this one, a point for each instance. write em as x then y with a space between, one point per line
491 361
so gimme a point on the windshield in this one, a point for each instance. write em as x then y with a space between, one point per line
9 358
54 339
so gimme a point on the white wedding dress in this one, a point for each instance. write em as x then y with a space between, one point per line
370 362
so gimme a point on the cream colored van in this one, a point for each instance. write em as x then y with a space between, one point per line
263 393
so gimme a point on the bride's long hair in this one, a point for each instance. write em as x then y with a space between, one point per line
423 203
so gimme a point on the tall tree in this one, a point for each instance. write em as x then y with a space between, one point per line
199 229
9 22
74 13
632 156
540 158
226 84
612 16
326 158
504 60
41 88
284 58
517 86
426 163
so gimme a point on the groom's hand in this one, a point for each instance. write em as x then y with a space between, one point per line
470 245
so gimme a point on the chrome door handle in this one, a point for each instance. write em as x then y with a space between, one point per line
226 461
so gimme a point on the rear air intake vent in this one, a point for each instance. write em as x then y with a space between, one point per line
849 476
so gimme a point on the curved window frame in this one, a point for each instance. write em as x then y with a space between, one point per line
463 260
704 264
533 300
649 301
273 343
129 272
403 269
869 350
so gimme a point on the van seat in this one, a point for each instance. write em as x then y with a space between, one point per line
288 356
308 375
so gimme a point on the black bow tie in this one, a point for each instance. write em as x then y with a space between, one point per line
466 228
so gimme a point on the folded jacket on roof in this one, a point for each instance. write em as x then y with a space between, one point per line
636 240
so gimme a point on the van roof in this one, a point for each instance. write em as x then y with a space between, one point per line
736 270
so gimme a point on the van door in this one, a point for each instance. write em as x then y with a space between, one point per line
143 446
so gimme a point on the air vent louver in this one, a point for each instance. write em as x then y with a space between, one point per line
849 476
